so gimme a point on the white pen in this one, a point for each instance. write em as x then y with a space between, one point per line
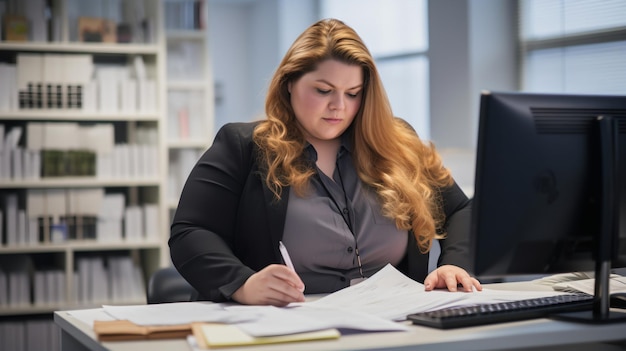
285 254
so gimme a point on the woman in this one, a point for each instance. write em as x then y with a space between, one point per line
332 174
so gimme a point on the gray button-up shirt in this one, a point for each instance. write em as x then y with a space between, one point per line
320 242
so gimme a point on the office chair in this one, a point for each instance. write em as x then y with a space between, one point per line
167 285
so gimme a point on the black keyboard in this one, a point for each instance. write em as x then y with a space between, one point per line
474 315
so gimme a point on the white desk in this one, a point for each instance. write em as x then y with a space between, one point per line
537 334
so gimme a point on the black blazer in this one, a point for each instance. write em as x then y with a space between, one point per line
228 223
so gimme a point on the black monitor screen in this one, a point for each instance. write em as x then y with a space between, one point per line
537 196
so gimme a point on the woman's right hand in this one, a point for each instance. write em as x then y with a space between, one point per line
276 285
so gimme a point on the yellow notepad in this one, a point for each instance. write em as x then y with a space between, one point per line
210 335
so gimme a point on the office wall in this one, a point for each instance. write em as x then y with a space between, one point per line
472 47
248 40
264 31
229 52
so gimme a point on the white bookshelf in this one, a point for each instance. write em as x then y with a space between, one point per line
148 253
190 112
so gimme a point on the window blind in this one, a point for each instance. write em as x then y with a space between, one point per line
573 46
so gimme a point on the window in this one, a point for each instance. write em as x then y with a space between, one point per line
396 33
573 46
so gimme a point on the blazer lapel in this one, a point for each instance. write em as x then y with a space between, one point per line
276 214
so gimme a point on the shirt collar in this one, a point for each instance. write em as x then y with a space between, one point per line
346 146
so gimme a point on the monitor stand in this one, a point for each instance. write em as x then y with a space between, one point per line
609 229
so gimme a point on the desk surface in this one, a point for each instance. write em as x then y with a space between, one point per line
529 334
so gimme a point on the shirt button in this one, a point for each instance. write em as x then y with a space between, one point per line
345 210
350 249
343 279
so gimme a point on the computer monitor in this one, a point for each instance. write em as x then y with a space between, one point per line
540 198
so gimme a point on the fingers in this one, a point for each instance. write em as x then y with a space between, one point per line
451 277
288 275
278 285
451 282
470 283
274 285
430 282
285 286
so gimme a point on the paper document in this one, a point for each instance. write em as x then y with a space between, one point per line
616 284
210 335
550 280
392 295
303 318
178 313
88 316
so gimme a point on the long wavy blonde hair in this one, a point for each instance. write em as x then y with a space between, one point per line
405 172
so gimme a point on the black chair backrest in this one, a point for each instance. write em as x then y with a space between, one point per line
167 285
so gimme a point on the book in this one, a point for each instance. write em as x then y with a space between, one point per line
4 283
94 29
210 335
8 88
15 28
110 218
29 80
53 80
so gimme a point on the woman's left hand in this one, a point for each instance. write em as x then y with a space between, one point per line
451 277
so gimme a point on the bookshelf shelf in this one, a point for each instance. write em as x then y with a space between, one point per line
28 249
186 34
78 182
85 246
49 309
172 205
67 115
69 47
78 246
30 310
186 85
188 144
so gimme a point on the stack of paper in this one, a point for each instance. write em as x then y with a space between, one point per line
617 284
209 335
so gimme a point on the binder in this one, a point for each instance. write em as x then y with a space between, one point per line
53 80
8 88
79 70
11 208
83 208
35 211
29 80
4 284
